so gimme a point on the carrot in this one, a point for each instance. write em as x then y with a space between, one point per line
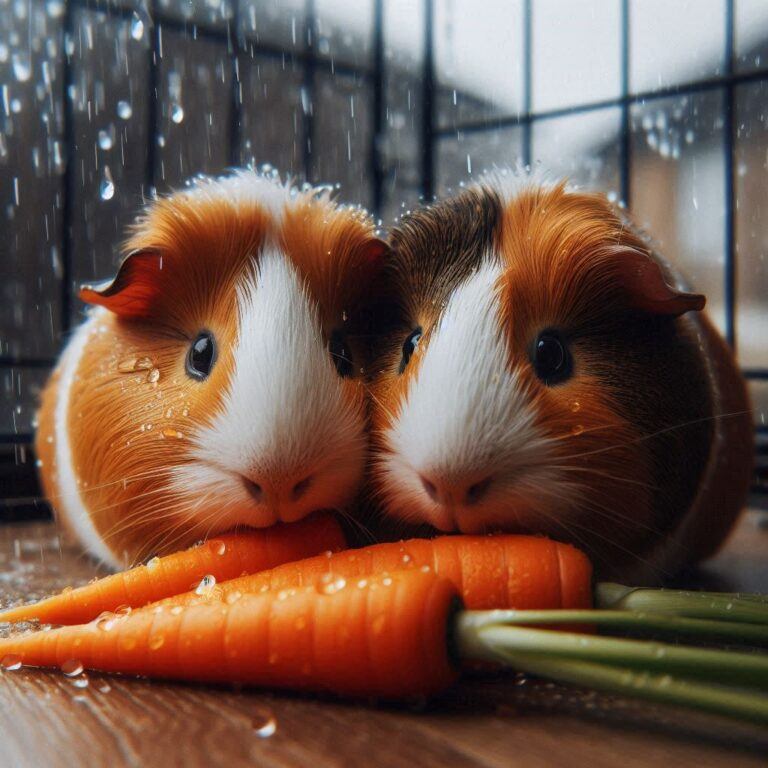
384 636
223 557
504 571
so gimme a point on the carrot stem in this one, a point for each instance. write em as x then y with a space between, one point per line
658 688
722 606
638 621
727 667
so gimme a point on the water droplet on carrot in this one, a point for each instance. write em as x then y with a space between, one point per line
264 725
11 662
105 621
176 610
123 610
329 584
72 667
153 563
219 547
362 584
233 597
158 641
206 585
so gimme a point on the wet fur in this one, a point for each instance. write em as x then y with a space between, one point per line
638 428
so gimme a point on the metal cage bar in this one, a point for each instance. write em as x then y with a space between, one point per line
238 41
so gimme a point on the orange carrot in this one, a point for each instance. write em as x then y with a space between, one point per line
504 571
223 557
384 636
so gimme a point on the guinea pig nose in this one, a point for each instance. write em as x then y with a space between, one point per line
430 488
456 490
301 487
253 488
476 491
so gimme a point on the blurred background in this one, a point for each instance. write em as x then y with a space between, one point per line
661 105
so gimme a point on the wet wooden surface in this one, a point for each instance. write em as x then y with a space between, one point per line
48 719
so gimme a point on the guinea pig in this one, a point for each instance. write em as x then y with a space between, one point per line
216 383
544 371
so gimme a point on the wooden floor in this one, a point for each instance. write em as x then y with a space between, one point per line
48 719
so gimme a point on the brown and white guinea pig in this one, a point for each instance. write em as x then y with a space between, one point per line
543 371
217 381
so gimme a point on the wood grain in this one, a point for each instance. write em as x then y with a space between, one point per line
47 719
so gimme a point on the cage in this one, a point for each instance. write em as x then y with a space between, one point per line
663 106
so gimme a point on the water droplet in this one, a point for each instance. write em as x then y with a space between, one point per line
80 681
124 110
105 688
105 621
156 642
177 113
206 585
106 138
137 27
11 662
264 725
123 610
219 547
172 433
406 558
72 667
153 376
329 584
22 67
575 406
362 584
578 429
153 563
107 186
176 610
232 597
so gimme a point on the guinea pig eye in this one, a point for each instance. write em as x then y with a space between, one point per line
409 347
340 354
201 356
551 358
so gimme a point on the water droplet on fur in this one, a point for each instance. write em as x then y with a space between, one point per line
173 433
575 406
153 376
206 585
72 667
11 662
105 688
578 429
80 681
329 584
264 725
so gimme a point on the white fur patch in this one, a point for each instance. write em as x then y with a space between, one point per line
284 416
466 414
70 503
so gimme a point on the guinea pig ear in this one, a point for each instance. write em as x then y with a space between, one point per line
372 256
647 288
135 288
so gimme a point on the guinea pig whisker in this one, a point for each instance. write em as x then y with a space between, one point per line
612 542
357 523
663 431
105 507
607 475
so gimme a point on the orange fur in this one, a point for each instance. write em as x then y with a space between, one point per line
634 426
132 406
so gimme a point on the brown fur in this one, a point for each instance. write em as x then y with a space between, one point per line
636 421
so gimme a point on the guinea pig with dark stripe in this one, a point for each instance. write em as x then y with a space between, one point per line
216 382
543 370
